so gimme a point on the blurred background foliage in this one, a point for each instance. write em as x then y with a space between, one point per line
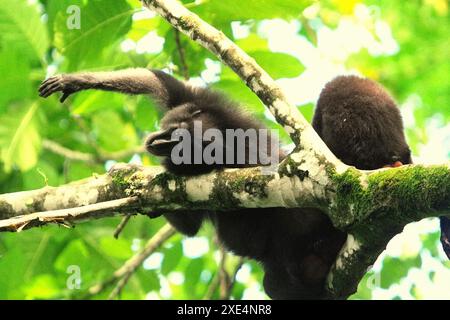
402 44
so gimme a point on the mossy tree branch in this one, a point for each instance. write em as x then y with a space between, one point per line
371 206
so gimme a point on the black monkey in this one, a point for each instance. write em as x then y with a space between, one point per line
296 247
361 124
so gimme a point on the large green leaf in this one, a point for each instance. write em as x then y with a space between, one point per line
102 23
89 101
220 11
278 65
20 24
14 80
19 138
112 132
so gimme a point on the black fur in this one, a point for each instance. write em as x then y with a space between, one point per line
360 123
355 117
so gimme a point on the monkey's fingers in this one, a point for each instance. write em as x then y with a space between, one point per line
47 82
50 88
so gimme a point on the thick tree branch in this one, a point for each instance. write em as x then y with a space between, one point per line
370 206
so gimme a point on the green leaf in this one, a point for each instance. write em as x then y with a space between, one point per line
253 43
278 65
172 257
79 170
307 111
102 23
76 253
147 115
219 11
89 101
240 93
40 176
192 275
14 266
113 134
19 138
42 287
148 279
117 248
194 54
20 24
431 242
14 81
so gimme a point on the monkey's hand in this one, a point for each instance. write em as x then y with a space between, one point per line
65 83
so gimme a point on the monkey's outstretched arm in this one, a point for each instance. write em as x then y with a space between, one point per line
161 86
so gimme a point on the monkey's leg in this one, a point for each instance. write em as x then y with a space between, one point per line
187 223
130 81
445 235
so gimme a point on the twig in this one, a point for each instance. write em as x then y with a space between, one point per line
67 153
87 157
212 287
66 216
218 276
180 48
121 154
221 278
232 279
123 274
122 225
120 285
223 275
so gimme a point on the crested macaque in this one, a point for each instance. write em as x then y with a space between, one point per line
355 117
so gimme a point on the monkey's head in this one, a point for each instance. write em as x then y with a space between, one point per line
361 124
196 118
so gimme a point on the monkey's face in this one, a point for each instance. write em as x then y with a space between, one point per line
161 143
203 144
193 121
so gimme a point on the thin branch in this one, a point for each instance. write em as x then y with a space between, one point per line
118 155
232 279
123 274
221 274
184 66
212 287
66 216
120 285
224 277
88 157
67 153
122 225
